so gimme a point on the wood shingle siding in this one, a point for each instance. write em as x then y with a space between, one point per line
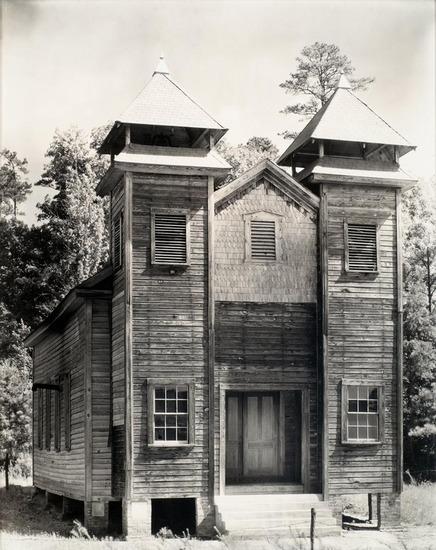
362 337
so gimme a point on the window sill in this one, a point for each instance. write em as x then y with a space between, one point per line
170 445
358 272
361 443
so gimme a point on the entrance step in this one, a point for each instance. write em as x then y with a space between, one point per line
274 515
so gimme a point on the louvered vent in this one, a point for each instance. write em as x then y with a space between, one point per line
362 247
118 242
263 240
170 239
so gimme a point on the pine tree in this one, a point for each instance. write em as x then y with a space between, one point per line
14 187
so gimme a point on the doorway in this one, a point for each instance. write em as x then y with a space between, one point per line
263 437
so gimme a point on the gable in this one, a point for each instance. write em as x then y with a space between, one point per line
276 178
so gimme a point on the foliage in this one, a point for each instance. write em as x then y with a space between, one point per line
319 68
14 187
246 155
419 333
15 410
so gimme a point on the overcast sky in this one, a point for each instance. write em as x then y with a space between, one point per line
81 62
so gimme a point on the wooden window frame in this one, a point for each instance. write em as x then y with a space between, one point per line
345 385
360 221
151 387
263 216
176 212
57 417
66 394
118 218
40 419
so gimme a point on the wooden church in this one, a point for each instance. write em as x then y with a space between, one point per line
239 361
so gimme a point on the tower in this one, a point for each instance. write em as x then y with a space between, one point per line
160 183
349 157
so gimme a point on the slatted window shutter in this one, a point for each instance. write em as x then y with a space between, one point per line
57 418
362 247
40 421
263 240
118 242
170 239
47 419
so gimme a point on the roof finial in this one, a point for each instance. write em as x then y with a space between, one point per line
343 82
162 67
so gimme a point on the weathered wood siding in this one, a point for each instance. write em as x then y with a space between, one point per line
269 344
290 279
266 320
62 352
169 335
118 356
362 338
101 395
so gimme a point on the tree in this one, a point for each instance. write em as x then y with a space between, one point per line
14 187
319 68
419 332
243 156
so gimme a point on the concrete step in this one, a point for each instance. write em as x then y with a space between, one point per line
250 523
272 513
322 531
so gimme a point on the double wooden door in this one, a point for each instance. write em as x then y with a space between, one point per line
253 437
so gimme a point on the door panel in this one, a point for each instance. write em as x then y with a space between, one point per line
233 438
260 442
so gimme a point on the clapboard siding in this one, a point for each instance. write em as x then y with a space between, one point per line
169 335
292 278
101 395
61 352
362 337
269 343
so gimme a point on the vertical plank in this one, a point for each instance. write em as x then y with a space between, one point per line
128 409
305 440
211 331
323 248
399 349
87 371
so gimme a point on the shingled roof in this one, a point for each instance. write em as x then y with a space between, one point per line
345 117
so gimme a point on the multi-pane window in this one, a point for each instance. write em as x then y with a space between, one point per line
117 237
57 417
361 247
170 404
40 425
66 394
362 413
169 238
47 419
263 239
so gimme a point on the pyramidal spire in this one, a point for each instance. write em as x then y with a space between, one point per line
344 82
162 67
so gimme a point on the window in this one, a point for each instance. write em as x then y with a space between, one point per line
117 236
47 419
40 418
66 393
57 417
169 238
362 413
361 250
171 414
263 239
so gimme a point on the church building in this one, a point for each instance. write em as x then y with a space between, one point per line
239 362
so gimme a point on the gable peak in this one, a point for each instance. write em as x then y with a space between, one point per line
343 82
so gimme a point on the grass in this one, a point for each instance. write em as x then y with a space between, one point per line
26 525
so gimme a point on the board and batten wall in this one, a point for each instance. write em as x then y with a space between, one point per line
266 313
362 337
78 345
169 335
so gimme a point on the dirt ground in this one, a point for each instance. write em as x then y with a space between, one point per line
26 524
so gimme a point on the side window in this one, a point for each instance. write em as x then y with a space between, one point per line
66 394
47 419
40 418
361 247
57 417
170 238
362 413
117 241
171 421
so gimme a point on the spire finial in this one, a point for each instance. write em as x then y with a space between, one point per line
162 67
343 82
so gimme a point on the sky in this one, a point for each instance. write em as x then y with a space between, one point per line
81 62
